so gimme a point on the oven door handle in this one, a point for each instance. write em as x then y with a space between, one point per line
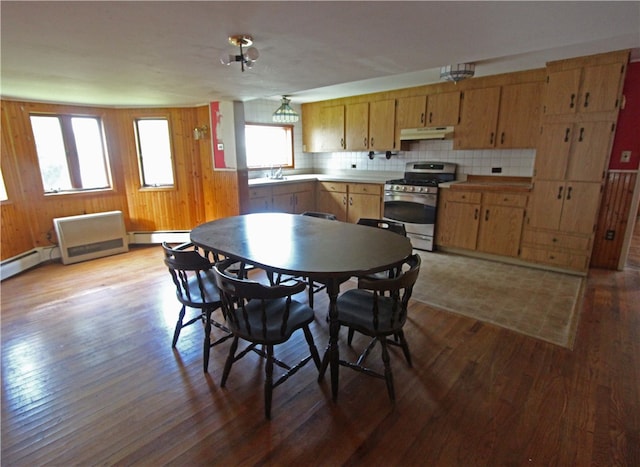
428 199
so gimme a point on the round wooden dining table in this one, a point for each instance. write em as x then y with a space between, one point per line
326 251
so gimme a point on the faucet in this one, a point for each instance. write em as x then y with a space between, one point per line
277 175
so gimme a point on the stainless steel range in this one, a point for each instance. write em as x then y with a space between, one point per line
413 199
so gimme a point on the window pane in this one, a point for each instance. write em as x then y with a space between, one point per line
268 146
93 170
154 147
52 157
3 189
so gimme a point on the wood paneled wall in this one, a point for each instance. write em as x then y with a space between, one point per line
614 212
199 193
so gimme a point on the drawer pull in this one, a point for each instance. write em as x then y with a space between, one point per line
566 135
475 215
586 100
560 192
569 193
581 137
486 215
572 103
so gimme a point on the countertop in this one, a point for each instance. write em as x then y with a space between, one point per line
491 183
318 177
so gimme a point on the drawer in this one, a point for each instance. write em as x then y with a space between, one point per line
561 259
260 192
458 196
333 186
556 240
365 188
291 188
505 199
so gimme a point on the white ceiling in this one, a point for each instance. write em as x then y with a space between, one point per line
167 53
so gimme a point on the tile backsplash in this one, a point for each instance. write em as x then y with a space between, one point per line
511 162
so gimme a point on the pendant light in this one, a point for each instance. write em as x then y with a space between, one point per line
284 113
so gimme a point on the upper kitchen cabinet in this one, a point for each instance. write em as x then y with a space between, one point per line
370 126
443 109
478 119
583 86
332 129
499 117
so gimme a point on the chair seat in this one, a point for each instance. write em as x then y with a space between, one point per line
354 311
211 293
271 332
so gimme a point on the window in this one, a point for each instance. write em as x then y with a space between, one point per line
3 189
154 152
269 145
71 152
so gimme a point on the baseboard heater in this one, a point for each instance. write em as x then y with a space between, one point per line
91 236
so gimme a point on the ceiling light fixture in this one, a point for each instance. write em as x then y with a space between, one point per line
284 113
457 72
247 57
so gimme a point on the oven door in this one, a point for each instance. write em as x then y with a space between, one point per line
418 214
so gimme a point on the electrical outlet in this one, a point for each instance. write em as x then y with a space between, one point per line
625 156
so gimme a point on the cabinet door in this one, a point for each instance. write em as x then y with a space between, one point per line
600 88
410 112
284 203
443 109
260 204
590 151
519 116
545 204
382 116
357 126
304 201
561 92
459 226
581 204
500 230
361 205
552 154
332 123
478 120
333 202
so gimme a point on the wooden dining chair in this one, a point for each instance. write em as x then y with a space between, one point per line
264 315
378 309
193 277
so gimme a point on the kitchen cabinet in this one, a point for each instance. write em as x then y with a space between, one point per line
350 201
370 125
332 133
293 198
488 222
586 89
499 117
571 151
442 109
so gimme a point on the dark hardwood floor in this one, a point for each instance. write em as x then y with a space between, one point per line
89 377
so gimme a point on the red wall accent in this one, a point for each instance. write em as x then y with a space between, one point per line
627 137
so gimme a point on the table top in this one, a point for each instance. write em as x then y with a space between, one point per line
303 245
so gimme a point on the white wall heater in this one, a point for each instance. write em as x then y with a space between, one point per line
91 236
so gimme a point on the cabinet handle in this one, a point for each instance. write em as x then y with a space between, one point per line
422 117
581 137
350 201
365 142
491 139
430 117
502 138
567 131
371 142
572 104
475 215
342 143
569 192
560 192
586 100
486 215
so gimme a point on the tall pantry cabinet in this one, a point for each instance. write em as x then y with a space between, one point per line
580 108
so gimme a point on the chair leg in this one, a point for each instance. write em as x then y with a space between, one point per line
405 347
268 382
230 358
207 340
388 376
176 332
312 347
350 336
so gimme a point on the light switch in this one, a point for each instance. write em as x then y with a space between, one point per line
625 156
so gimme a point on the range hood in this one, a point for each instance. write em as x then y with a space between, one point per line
412 134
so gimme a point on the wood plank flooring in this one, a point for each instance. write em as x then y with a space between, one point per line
89 377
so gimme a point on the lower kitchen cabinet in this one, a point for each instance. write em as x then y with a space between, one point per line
293 198
488 222
350 201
